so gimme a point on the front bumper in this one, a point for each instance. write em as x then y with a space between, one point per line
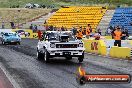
65 53
11 41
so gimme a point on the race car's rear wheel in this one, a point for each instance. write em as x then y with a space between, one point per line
39 55
46 56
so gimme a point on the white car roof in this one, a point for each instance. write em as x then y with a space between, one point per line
10 32
58 31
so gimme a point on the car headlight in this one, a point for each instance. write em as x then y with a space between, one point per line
80 45
52 45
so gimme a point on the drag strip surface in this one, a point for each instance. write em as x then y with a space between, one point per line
21 62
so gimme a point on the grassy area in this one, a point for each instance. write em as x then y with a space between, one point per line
22 3
8 14
19 15
58 3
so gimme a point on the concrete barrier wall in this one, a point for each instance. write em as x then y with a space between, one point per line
35 35
108 37
120 52
95 46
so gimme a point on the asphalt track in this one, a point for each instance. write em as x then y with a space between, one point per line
21 63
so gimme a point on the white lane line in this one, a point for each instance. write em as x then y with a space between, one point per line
10 78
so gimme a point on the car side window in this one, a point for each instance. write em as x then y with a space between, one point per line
6 34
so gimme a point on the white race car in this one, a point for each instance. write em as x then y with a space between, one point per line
60 44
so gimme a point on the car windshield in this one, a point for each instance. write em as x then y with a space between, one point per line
55 36
10 34
71 37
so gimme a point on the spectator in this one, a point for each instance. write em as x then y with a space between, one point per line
81 29
3 25
111 28
74 31
108 31
123 35
31 27
43 36
99 31
117 37
91 30
79 34
46 27
112 32
36 27
39 34
84 31
51 28
88 31
66 29
62 28
39 27
55 28
127 34
12 25
97 35
58 29
45 22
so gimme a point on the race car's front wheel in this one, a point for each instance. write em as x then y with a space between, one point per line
3 43
46 56
19 43
39 55
80 58
68 58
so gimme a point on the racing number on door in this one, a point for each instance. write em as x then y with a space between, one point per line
94 46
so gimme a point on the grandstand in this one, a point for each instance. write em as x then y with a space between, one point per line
77 16
123 18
